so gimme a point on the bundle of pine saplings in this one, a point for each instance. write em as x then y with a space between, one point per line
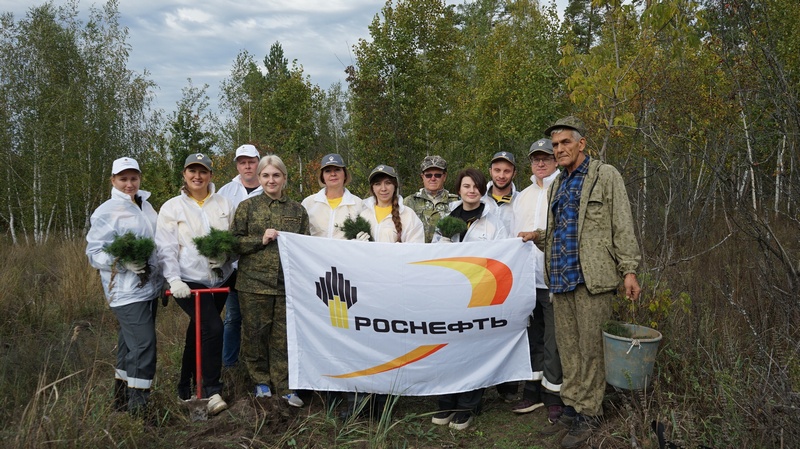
128 248
451 226
353 226
617 328
217 244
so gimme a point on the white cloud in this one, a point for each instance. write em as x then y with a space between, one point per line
199 39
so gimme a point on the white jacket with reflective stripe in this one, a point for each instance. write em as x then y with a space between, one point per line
117 216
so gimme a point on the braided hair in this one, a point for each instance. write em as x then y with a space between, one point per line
398 225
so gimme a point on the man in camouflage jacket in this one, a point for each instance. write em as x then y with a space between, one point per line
432 202
589 246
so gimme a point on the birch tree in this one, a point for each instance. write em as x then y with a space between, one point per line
70 108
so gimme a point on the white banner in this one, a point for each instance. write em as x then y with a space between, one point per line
408 319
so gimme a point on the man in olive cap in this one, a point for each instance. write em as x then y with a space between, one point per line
432 201
499 197
501 191
585 260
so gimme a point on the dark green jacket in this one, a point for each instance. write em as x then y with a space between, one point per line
260 268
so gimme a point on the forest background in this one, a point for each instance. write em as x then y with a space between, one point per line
695 102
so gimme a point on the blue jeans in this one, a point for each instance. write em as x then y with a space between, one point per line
232 336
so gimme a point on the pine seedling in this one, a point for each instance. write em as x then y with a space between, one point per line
216 245
130 248
450 226
352 226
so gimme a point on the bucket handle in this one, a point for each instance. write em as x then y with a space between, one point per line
634 342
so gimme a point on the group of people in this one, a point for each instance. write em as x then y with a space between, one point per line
579 218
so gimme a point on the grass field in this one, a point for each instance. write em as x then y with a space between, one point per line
726 375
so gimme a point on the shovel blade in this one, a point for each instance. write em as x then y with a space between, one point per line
198 409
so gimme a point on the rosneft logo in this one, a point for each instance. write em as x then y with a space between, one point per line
337 293
491 282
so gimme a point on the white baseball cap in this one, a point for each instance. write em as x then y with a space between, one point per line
124 163
246 150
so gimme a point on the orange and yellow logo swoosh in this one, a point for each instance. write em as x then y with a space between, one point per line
405 359
491 279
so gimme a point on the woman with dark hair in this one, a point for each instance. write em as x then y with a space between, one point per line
262 294
482 223
192 214
132 301
389 219
458 409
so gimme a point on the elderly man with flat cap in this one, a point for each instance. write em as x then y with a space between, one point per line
590 248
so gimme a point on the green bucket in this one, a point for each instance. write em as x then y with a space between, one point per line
629 361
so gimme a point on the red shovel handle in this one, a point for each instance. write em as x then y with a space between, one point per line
198 357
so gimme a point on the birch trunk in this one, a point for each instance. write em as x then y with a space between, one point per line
779 175
37 198
749 156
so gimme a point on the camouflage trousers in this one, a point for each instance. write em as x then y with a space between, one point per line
579 319
264 348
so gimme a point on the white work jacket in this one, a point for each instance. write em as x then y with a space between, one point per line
117 216
413 231
180 220
326 222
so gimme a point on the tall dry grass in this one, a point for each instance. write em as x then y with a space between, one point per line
727 372
58 351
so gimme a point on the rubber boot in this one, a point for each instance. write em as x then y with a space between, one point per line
120 395
137 401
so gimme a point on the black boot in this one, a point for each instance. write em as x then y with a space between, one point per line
137 401
120 395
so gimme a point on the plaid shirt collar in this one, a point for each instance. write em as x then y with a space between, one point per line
565 264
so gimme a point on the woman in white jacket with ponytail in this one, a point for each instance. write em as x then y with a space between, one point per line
132 300
192 214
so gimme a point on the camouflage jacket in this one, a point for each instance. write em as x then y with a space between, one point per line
429 209
607 245
260 268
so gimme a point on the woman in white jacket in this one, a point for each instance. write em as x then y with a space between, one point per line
328 208
458 409
390 221
132 301
192 214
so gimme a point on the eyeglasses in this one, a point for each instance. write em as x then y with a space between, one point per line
433 175
542 160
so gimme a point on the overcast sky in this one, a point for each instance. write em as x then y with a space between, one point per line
199 39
